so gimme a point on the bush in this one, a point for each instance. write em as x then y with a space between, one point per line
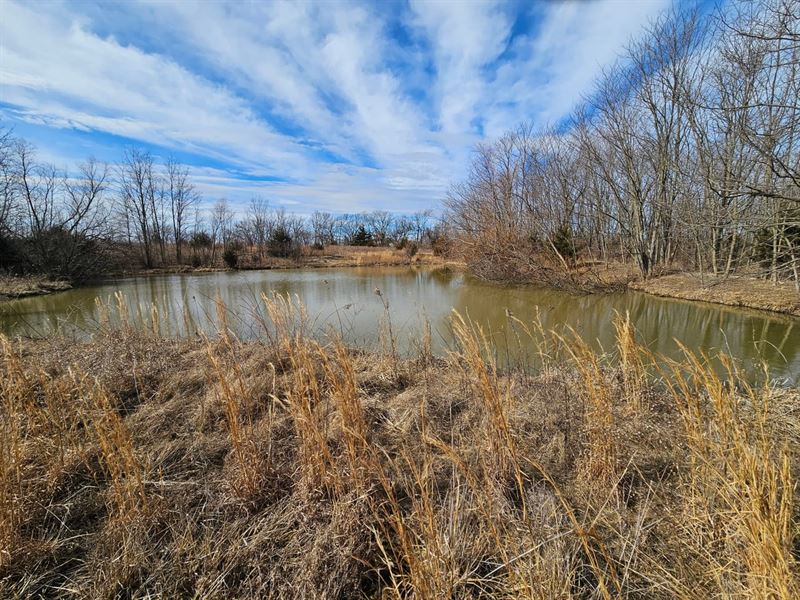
564 243
200 241
361 237
10 256
280 243
411 249
231 258
440 241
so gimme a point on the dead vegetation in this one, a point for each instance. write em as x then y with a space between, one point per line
746 292
22 286
136 466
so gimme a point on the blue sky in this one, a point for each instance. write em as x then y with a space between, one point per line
337 106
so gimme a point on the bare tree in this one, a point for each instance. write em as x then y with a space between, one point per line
181 196
138 191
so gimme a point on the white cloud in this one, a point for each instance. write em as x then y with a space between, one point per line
559 63
466 37
273 89
64 73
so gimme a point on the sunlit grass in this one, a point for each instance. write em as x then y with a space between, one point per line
291 466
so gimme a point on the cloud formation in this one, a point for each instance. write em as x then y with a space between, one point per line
337 106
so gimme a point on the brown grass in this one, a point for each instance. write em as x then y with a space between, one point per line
743 292
21 286
139 466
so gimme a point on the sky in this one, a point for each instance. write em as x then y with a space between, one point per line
332 106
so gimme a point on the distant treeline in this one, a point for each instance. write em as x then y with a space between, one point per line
686 154
140 212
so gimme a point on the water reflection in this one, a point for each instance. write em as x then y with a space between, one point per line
345 300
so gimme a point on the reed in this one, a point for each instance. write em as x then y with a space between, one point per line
119 458
291 466
228 383
598 470
631 364
738 491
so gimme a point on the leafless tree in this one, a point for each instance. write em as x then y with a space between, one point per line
139 191
181 196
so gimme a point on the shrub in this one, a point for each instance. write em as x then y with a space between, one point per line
361 237
231 258
200 240
280 242
440 241
411 249
563 242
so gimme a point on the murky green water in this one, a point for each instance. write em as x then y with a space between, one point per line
345 300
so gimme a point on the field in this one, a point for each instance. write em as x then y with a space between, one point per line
135 466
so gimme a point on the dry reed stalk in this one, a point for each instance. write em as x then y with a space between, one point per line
155 320
40 423
631 364
288 322
420 543
124 468
598 469
739 488
496 399
14 395
122 307
340 374
223 330
103 313
227 381
305 398
497 402
387 338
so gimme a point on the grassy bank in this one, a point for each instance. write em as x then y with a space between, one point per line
137 466
585 276
746 292
14 286
310 258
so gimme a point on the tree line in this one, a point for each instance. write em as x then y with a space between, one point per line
141 211
684 154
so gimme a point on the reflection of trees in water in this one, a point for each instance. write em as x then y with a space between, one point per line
747 336
345 301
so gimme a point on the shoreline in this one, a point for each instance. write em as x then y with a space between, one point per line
27 286
286 264
736 292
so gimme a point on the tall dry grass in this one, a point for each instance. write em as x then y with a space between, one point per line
738 488
297 467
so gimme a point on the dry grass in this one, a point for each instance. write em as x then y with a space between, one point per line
139 466
746 292
21 286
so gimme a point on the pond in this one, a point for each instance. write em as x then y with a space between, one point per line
345 300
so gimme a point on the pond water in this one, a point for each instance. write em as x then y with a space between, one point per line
345 300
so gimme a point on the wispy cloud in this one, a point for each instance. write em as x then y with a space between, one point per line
345 106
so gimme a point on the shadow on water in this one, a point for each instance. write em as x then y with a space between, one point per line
345 300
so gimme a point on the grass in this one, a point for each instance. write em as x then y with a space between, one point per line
738 291
135 465
21 286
